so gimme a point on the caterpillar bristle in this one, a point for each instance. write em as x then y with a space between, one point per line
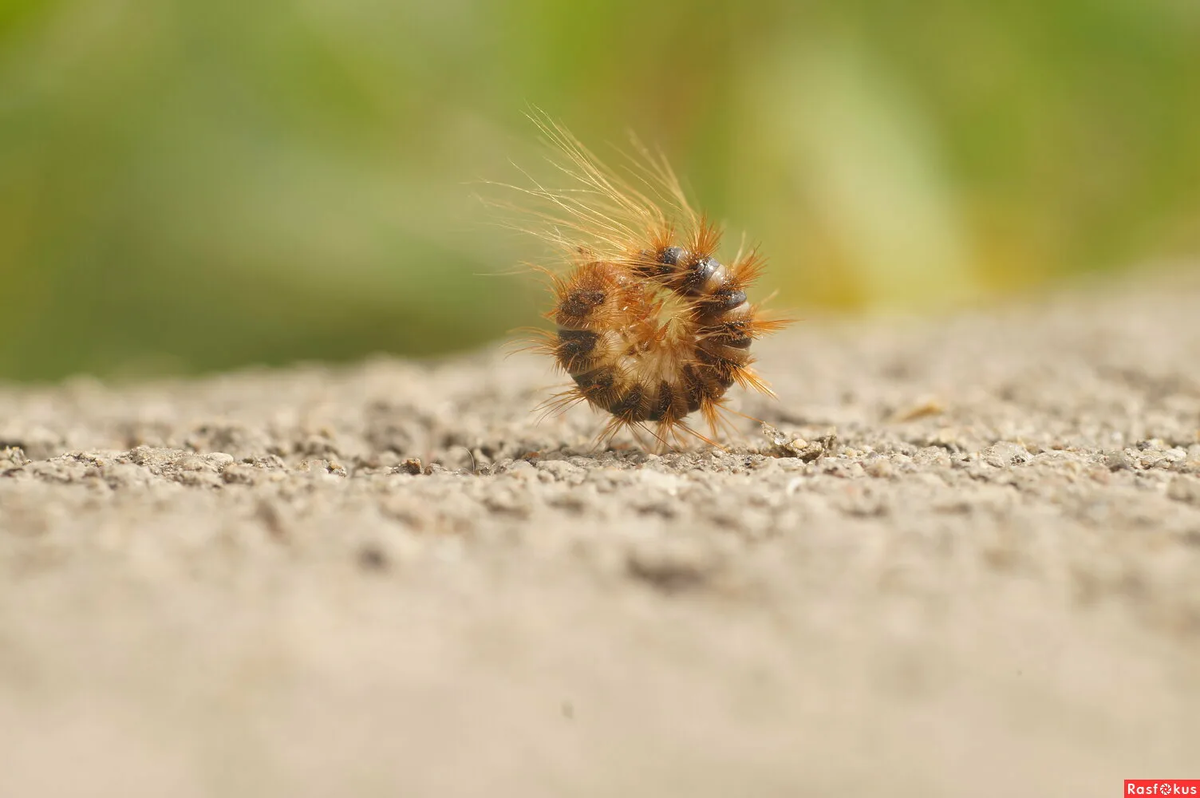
648 323
749 267
706 239
750 380
558 403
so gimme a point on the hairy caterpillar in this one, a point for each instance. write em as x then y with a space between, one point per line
649 324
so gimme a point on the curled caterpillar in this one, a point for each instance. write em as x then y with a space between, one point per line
650 325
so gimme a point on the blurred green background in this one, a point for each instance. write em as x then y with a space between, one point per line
190 185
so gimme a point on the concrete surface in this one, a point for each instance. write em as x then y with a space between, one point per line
965 562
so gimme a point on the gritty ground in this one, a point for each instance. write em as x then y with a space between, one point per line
966 562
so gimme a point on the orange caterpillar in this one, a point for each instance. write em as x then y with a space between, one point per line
650 325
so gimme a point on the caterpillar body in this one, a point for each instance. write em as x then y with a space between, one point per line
649 324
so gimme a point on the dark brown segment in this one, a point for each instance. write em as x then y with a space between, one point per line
707 312
630 407
734 333
717 369
671 256
575 348
598 386
700 384
726 297
579 303
596 379
698 273
660 264
662 406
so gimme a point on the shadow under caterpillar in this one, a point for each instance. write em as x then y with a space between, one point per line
649 324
